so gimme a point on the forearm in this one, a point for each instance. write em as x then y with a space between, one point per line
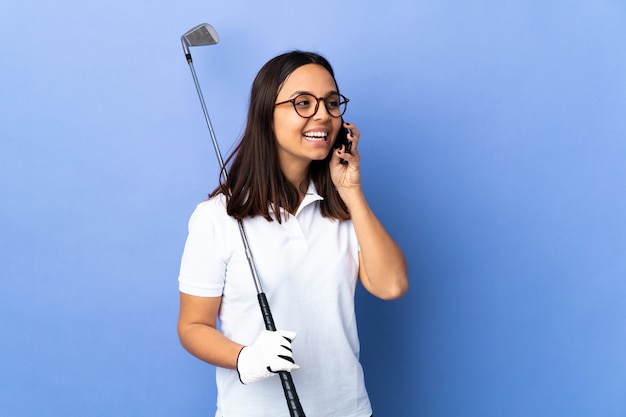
198 332
383 268
210 345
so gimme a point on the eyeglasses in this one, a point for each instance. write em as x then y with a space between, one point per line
335 104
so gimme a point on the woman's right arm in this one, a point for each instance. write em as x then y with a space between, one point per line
197 330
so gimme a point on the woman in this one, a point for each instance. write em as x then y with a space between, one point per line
312 235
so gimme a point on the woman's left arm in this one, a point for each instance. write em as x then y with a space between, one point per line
382 265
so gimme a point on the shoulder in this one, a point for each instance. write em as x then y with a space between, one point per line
211 211
214 204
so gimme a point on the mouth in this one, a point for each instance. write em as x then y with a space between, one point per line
316 136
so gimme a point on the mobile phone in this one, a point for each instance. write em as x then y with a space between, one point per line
342 139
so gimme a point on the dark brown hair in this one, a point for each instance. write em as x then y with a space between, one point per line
255 183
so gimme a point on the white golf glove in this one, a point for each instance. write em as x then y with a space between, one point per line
270 353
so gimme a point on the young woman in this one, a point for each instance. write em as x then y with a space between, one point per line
312 235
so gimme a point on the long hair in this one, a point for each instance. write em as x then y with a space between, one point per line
255 183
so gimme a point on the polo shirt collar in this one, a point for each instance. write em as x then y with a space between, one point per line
311 196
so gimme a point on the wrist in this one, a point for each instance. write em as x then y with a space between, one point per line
352 196
237 364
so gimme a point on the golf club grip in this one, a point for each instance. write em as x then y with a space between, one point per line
267 314
289 388
293 402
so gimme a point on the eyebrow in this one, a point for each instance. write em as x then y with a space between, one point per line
297 93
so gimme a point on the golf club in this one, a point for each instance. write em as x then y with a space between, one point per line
205 34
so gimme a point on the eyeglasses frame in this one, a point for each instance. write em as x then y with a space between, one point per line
317 104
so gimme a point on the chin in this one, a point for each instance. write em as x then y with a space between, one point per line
323 156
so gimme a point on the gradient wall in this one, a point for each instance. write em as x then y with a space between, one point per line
493 146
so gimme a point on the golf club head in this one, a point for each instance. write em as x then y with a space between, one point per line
203 34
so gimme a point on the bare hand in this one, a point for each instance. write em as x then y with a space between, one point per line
345 167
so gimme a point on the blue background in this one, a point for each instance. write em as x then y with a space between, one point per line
493 146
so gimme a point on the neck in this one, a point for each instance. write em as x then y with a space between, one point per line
297 175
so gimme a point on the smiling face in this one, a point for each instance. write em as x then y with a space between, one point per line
300 140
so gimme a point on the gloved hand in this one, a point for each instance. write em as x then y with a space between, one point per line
270 353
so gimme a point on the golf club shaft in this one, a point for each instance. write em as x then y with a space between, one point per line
207 118
289 388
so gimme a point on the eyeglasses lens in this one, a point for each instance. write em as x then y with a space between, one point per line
307 105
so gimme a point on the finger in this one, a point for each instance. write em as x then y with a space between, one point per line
287 358
287 334
351 156
287 367
339 157
354 134
345 156
282 363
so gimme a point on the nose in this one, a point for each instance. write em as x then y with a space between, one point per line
322 112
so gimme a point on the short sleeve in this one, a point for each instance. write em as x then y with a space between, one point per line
203 264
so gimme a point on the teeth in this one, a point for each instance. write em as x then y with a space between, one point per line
322 135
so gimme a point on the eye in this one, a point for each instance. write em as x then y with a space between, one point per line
302 101
333 101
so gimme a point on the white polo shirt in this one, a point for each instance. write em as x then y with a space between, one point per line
308 266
